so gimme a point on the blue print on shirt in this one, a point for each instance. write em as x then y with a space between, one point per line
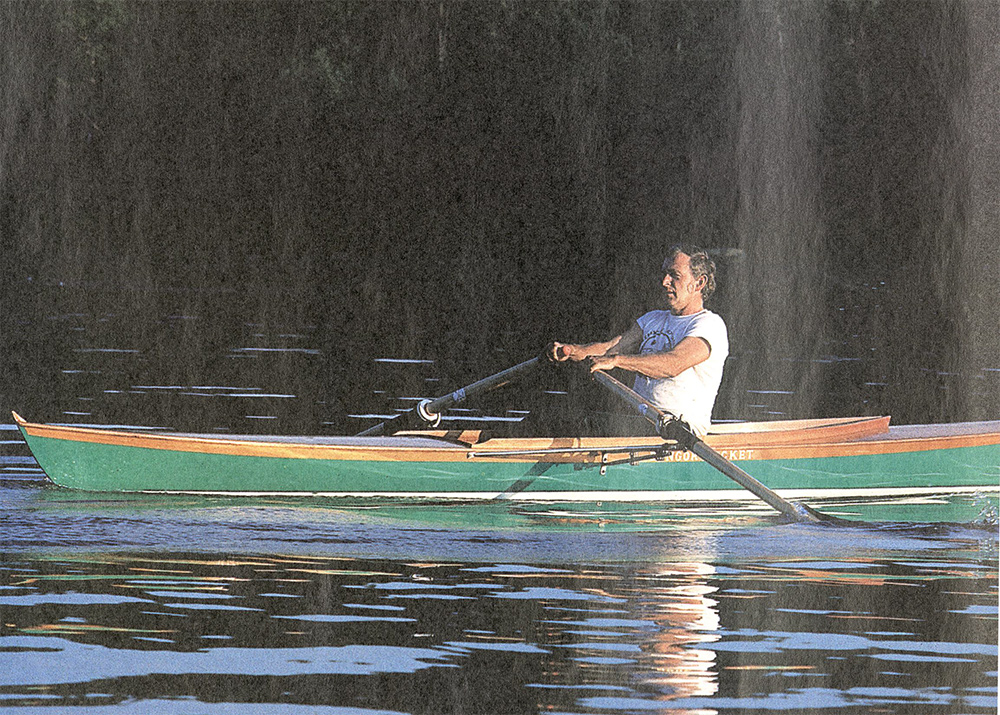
657 341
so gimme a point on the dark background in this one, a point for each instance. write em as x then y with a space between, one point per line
463 182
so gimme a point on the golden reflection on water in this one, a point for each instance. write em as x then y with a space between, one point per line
49 629
687 616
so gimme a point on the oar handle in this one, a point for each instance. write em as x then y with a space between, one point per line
669 427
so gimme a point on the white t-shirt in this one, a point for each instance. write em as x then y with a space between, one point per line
690 395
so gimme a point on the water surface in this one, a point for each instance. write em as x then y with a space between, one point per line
192 604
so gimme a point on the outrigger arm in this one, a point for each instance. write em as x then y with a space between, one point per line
635 453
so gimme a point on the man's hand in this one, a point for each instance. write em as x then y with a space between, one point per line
603 362
561 352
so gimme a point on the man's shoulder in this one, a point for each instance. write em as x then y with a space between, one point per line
706 323
708 316
665 317
702 317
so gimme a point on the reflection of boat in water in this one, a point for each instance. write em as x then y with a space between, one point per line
844 457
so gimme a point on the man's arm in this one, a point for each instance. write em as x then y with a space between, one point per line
628 341
689 352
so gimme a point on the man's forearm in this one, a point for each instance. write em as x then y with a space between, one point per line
688 353
579 352
654 365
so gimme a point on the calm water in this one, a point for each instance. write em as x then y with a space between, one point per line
209 605
198 605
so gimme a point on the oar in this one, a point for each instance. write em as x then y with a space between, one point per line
430 410
669 427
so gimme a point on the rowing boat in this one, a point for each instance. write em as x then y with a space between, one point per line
842 457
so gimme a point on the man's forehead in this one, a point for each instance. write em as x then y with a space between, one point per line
679 262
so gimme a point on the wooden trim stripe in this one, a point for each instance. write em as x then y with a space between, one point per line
286 450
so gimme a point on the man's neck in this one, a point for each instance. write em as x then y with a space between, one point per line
690 309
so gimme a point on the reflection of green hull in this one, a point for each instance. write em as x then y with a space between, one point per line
536 515
910 460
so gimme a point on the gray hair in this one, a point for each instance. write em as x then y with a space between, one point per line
701 264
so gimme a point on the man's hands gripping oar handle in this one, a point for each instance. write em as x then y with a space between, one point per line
669 427
429 411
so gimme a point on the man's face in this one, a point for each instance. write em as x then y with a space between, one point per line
683 290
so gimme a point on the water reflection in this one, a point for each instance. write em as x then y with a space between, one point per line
118 629
687 617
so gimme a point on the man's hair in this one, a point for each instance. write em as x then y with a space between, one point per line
701 264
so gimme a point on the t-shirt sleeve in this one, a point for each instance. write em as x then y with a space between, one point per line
712 329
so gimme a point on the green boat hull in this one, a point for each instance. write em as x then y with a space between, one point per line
118 468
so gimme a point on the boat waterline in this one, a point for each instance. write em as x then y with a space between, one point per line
734 494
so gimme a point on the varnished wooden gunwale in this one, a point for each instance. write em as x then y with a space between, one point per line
798 432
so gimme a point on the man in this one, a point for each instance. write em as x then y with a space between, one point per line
677 354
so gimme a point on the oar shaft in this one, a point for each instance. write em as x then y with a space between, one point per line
752 485
429 410
668 427
647 409
492 382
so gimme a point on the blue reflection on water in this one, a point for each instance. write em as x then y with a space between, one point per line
31 661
